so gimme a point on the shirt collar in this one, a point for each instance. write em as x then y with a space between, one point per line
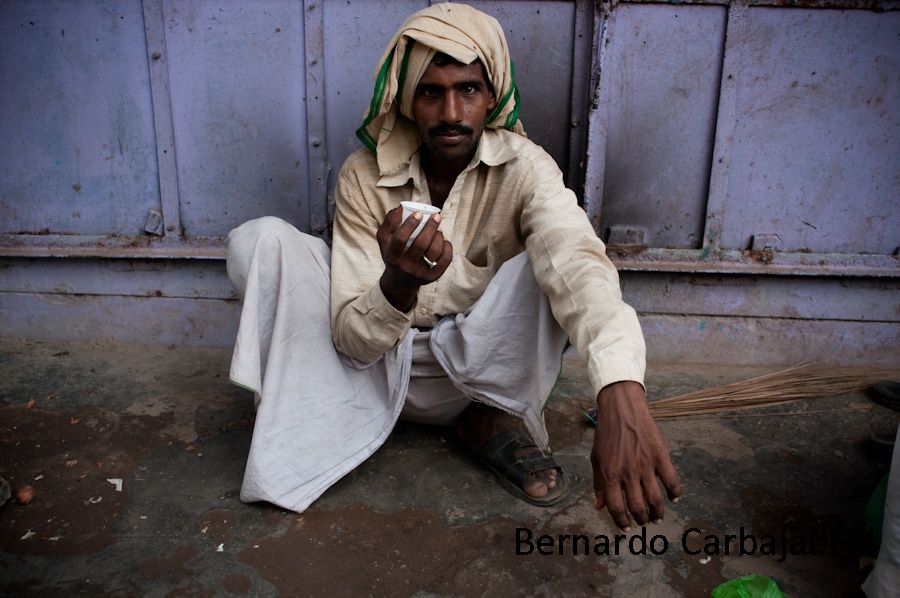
492 150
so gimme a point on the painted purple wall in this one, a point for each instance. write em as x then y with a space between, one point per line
741 158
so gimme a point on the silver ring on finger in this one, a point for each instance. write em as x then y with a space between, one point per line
431 264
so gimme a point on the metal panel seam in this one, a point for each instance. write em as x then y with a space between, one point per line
582 47
769 317
160 91
317 181
598 116
735 34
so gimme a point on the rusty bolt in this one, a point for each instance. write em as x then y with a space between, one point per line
156 56
316 142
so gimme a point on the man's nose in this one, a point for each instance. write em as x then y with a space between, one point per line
451 110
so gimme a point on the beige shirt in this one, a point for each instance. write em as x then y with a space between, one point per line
510 198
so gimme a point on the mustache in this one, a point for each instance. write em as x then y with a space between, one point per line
450 130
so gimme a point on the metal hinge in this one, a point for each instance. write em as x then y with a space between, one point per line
154 224
767 242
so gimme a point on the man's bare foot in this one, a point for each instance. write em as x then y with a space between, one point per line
479 423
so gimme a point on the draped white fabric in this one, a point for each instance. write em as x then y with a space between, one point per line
320 414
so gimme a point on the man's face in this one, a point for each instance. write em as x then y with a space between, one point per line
450 108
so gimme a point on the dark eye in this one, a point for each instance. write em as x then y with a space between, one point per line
468 89
428 91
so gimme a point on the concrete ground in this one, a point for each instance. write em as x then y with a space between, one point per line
419 518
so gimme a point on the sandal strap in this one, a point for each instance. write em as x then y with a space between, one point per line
535 464
500 451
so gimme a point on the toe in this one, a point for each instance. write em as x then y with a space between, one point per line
534 486
551 478
548 477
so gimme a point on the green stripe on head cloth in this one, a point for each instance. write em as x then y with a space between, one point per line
461 32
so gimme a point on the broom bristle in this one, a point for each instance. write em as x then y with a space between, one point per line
796 383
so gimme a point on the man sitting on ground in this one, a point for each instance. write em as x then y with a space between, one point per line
466 323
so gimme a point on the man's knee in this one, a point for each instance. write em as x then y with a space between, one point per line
249 233
267 233
242 243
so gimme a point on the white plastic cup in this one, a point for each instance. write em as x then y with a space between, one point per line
423 208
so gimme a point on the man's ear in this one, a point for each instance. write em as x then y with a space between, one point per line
492 104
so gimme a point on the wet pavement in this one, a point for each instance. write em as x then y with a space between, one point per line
80 420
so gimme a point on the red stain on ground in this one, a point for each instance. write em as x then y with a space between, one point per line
363 552
172 564
75 509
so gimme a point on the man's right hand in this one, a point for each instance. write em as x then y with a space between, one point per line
405 270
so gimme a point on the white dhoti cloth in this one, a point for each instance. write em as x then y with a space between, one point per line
320 414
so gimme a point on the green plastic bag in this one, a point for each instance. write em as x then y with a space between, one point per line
750 586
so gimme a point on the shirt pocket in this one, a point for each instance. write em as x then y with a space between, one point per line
471 280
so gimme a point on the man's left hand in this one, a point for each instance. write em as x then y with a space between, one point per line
628 455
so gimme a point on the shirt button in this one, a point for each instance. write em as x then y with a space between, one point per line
423 311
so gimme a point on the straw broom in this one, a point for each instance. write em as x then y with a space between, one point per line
797 383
